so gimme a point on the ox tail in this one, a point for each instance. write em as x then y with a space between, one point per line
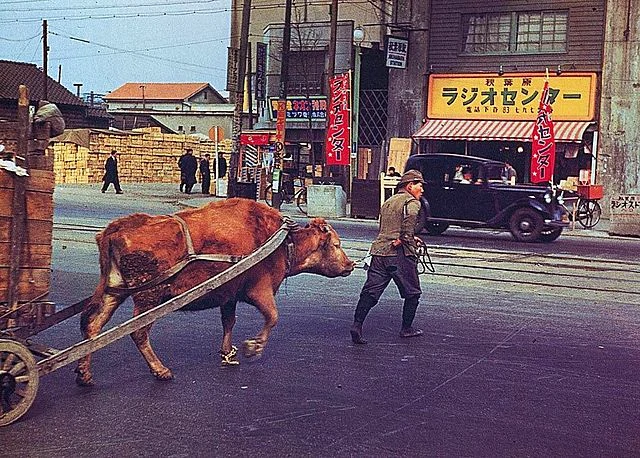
103 241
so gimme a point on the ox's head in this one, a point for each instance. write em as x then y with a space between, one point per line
318 251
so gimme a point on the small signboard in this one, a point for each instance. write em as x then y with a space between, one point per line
261 71
625 214
299 108
397 52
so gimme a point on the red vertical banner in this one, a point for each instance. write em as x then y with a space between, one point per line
338 141
543 143
281 121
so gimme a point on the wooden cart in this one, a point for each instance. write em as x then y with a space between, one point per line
26 227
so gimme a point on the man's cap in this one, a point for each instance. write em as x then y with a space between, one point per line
410 176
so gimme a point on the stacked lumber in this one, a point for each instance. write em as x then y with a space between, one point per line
144 156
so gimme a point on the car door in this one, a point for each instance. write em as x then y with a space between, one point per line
476 200
436 188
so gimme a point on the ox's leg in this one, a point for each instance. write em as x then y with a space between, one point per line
228 352
262 298
92 320
141 339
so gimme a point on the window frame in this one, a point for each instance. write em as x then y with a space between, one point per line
301 80
514 35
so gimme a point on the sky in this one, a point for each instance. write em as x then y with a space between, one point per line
106 43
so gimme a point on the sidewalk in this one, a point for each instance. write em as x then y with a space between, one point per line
157 193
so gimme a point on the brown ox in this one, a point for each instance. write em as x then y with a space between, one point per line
138 248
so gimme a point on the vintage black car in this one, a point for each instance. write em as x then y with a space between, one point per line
484 198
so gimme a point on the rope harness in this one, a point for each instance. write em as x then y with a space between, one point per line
423 255
288 225
425 264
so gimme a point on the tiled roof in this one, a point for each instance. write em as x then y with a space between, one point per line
13 74
156 91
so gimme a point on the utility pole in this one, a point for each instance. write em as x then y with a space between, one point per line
45 61
241 65
282 107
250 87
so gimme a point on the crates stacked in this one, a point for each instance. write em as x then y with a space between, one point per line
26 227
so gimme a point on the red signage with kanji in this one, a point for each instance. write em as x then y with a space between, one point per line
338 141
543 147
254 139
280 121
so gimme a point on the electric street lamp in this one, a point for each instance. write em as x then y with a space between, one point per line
358 38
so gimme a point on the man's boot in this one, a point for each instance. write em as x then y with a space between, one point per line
365 303
408 314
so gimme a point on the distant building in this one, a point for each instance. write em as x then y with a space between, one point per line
188 108
76 113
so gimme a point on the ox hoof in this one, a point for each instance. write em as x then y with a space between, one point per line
163 375
252 348
84 380
229 359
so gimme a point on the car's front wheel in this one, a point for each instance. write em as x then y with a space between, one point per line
526 225
549 235
436 228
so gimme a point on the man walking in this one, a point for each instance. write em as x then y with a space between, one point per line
394 257
111 173
205 174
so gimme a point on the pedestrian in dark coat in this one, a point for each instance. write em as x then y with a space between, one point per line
205 174
183 176
188 167
111 173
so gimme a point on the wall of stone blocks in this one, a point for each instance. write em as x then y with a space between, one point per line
144 156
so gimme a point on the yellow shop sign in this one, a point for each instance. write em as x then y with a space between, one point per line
510 97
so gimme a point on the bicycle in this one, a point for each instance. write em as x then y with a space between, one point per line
585 211
299 196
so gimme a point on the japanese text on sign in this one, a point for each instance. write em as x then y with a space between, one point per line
510 97
543 145
299 108
397 51
626 203
338 141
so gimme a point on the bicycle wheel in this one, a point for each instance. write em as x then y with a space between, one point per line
301 200
588 214
268 195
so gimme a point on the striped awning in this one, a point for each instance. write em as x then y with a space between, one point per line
478 130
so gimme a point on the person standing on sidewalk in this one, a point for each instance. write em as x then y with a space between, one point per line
188 167
205 174
394 257
111 173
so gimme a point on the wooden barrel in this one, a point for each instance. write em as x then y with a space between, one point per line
34 278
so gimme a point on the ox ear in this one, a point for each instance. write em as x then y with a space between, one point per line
320 223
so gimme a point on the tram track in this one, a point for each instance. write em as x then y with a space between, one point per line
558 274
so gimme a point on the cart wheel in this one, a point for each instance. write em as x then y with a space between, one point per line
18 381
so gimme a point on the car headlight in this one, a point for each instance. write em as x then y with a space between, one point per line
548 197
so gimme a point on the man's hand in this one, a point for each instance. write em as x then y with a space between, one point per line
396 243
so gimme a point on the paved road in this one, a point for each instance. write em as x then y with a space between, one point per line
503 369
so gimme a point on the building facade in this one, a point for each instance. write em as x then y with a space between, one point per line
474 68
307 75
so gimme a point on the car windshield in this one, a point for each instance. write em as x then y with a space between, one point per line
493 172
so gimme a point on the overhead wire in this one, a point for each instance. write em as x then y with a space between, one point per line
138 53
